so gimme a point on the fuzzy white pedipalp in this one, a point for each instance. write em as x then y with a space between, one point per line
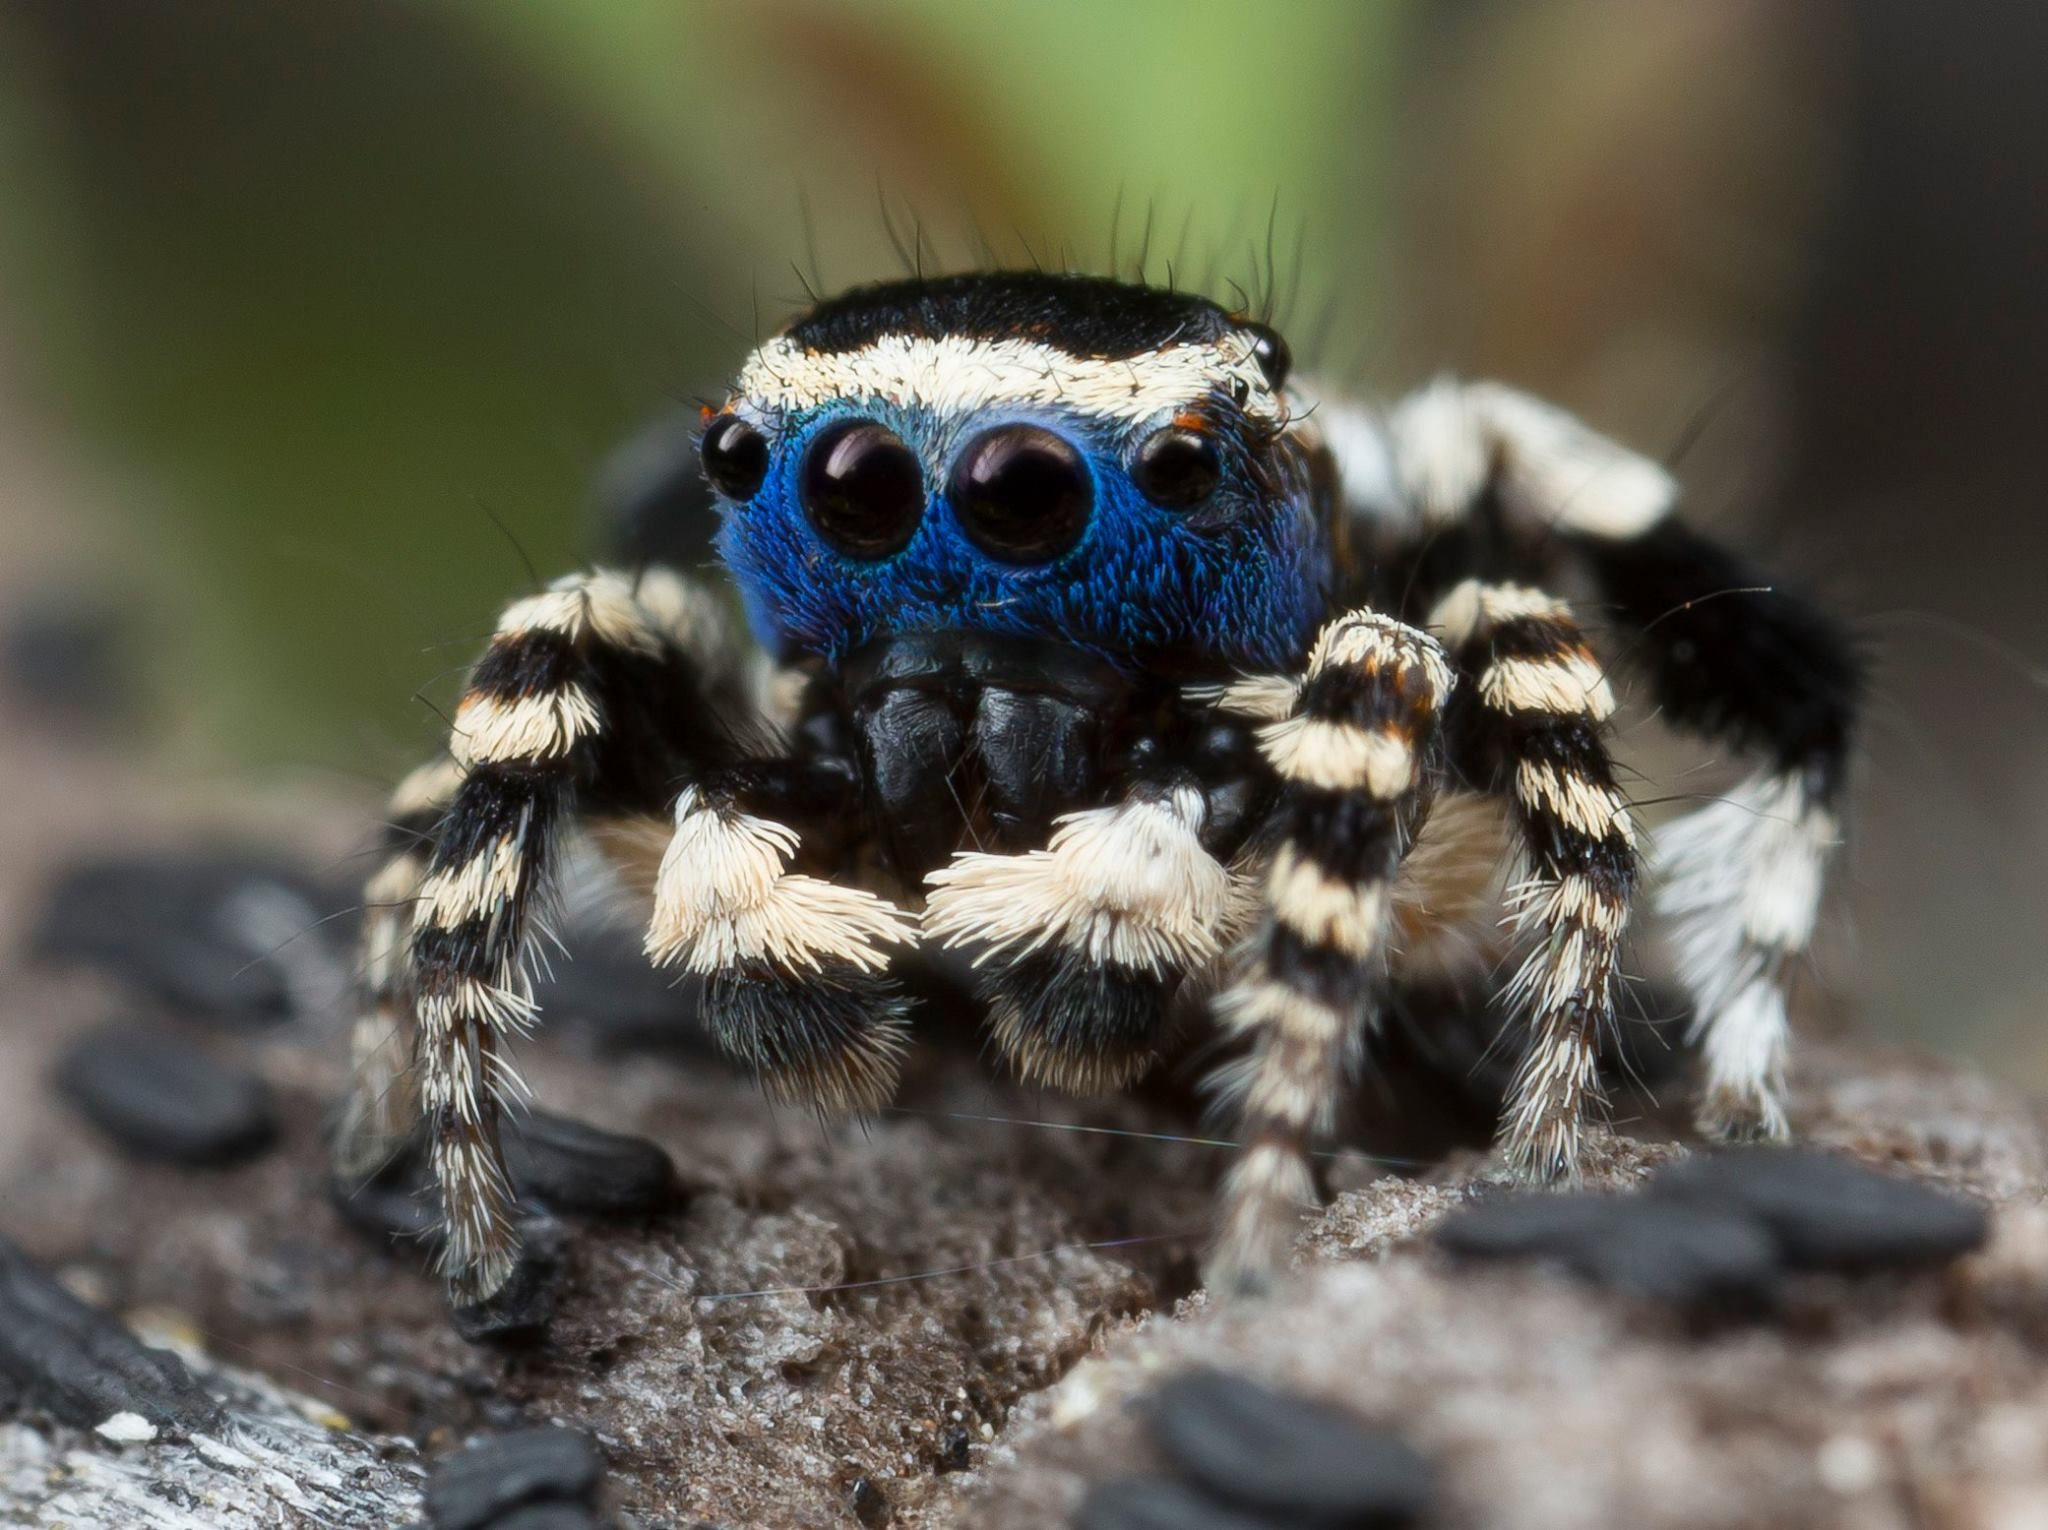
1129 884
724 896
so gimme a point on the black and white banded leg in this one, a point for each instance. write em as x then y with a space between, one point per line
1353 744
1525 724
526 735
1081 945
1734 659
381 1109
1730 656
585 702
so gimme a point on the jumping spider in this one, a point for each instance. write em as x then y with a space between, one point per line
1086 641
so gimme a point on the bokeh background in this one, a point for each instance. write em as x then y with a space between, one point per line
317 320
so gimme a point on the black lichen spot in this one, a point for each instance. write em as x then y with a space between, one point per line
953 1449
871 1505
480 1486
1827 1212
1159 1503
216 937
1286 1457
161 1098
550 1516
1703 1261
73 661
568 1166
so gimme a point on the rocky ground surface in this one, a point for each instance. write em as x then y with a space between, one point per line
953 1316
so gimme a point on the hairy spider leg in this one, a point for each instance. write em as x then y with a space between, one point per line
1524 723
1352 742
1730 656
590 698
1734 659
380 1109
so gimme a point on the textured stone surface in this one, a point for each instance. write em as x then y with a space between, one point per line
1546 1404
280 1458
63 1359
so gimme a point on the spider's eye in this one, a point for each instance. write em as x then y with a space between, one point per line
862 489
735 456
1177 468
1272 355
1022 494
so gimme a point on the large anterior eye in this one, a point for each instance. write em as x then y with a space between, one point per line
1177 468
862 489
735 456
1022 494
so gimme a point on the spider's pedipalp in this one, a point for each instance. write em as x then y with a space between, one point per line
1528 728
1353 759
797 989
1082 944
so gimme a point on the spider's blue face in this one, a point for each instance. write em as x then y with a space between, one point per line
1057 457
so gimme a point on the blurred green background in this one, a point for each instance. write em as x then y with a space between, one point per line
318 318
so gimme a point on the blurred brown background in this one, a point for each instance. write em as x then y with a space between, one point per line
316 319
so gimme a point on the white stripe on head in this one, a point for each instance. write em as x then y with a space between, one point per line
954 374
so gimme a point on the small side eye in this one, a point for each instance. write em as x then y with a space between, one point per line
862 489
1272 354
735 456
1177 468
